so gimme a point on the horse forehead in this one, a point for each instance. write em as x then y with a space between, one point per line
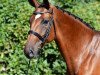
39 10
38 16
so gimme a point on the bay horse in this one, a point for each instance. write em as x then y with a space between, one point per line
78 43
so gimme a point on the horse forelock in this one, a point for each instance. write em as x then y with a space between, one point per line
43 6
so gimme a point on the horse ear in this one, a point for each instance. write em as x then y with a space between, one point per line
46 2
33 3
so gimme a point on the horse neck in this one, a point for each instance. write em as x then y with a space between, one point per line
72 36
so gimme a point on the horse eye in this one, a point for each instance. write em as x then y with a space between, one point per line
45 21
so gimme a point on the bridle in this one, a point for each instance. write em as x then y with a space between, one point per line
51 22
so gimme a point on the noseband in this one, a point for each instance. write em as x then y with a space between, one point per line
43 38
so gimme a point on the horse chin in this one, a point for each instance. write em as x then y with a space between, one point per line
30 53
36 54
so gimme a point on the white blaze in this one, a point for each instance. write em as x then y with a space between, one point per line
37 16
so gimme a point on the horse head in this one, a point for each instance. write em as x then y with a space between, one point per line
41 24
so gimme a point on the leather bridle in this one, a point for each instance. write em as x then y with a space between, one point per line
50 23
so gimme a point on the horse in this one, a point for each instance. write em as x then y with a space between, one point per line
78 43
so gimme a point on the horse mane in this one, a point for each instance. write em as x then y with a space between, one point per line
64 11
76 17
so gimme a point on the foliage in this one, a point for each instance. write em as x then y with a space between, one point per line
14 25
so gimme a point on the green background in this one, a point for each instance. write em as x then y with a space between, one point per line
14 25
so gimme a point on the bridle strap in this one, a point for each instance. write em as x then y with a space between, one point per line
43 38
35 13
36 34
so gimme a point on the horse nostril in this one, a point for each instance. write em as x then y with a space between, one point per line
31 54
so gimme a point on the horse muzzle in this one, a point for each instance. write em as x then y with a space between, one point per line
31 53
